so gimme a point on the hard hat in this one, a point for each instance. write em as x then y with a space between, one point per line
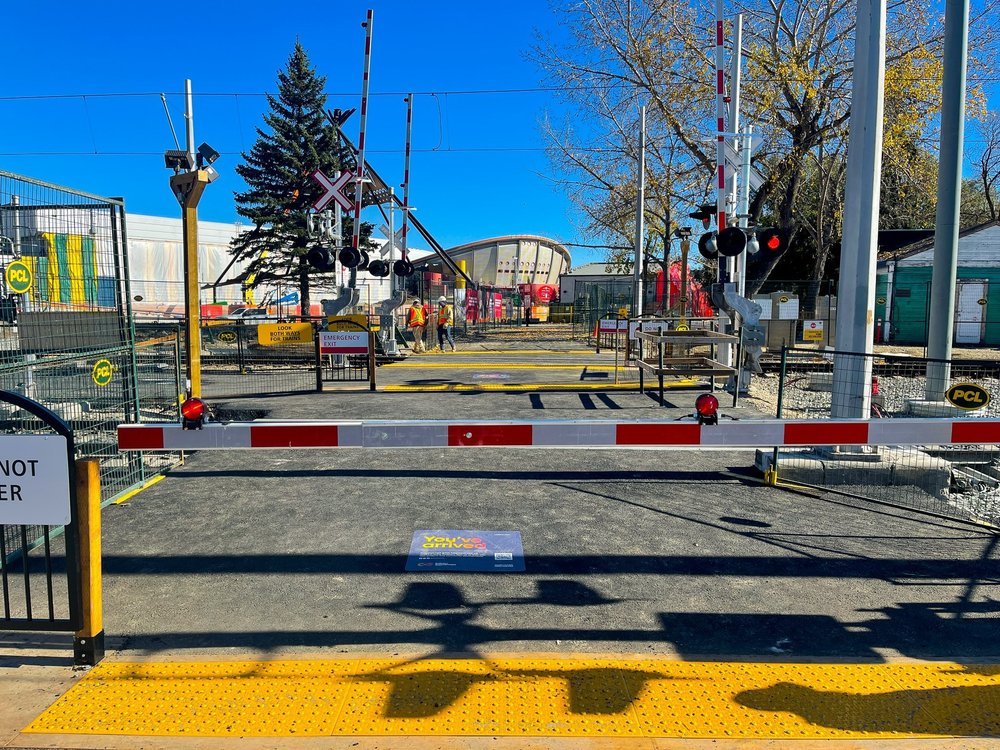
442 298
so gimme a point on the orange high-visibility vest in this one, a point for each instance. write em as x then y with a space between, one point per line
417 317
444 315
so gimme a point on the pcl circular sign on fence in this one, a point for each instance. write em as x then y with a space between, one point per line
968 396
102 372
18 277
227 337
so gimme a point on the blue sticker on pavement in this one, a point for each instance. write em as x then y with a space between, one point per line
462 550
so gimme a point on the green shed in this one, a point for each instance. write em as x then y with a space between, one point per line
903 290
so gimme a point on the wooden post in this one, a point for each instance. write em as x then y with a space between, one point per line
88 643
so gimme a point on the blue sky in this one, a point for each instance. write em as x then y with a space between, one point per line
478 170
462 193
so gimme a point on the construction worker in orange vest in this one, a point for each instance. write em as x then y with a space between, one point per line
416 321
446 319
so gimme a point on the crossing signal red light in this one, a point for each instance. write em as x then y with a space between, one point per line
772 241
706 406
320 258
731 241
349 257
707 246
193 414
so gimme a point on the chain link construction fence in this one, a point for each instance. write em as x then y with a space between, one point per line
66 335
955 481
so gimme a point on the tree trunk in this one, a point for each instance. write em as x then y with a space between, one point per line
304 299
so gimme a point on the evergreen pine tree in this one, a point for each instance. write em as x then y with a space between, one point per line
277 173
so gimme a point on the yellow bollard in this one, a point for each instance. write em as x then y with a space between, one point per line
88 644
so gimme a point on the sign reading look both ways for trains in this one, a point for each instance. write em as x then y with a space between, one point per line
275 334
34 480
462 550
343 342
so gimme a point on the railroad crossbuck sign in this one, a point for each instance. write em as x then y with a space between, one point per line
333 190
34 480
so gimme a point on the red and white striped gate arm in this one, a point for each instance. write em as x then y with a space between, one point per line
558 434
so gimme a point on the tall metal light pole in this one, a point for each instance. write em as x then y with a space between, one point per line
640 219
949 198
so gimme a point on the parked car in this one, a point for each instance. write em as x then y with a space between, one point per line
250 315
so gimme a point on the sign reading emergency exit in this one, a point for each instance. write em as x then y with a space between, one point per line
343 342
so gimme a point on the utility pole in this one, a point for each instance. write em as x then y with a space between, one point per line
852 375
640 219
188 187
949 199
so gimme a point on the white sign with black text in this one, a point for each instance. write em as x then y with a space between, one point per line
34 480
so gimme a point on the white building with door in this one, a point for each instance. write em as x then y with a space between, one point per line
903 292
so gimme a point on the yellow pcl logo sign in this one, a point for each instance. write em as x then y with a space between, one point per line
18 277
967 396
102 372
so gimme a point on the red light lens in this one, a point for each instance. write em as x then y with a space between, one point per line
773 242
193 408
706 405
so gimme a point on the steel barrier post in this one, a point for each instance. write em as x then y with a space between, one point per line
771 476
88 643
319 362
371 361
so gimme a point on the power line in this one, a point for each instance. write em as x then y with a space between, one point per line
456 92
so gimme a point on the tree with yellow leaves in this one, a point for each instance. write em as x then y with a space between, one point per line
796 94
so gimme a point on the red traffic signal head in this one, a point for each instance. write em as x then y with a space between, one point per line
772 241
731 241
707 246
320 258
706 407
704 214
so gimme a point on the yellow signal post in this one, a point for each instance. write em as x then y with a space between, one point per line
188 187
88 644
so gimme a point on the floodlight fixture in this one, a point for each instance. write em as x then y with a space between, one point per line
178 160
206 155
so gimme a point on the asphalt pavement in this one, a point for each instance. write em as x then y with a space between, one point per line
674 554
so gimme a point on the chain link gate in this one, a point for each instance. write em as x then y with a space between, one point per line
66 330
960 482
257 359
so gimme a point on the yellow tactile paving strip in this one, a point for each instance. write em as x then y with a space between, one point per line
556 697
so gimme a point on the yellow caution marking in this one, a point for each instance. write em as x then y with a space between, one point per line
502 366
539 697
145 486
528 387
513 352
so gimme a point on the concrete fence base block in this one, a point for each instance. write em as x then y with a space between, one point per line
891 467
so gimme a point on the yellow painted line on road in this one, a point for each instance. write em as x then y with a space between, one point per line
437 351
502 366
146 485
530 697
442 387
